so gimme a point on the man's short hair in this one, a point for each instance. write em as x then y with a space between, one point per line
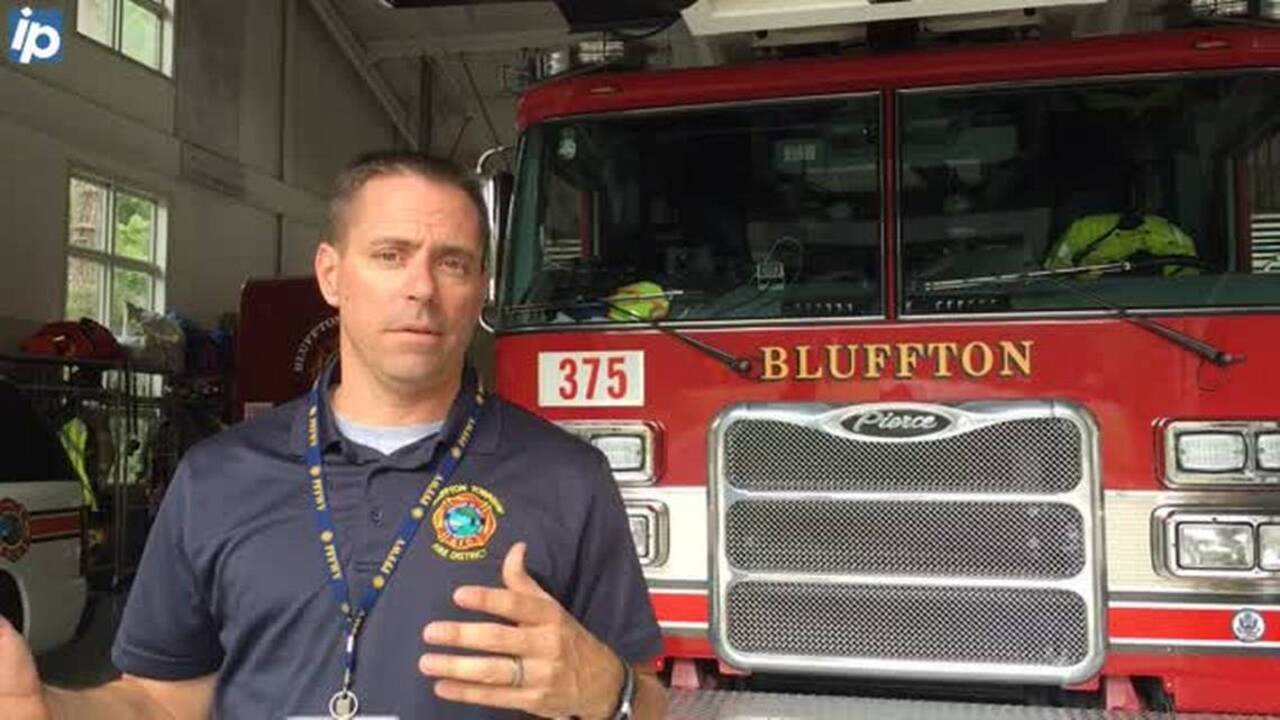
386 163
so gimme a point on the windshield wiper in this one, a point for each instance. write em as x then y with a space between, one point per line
1195 345
983 280
739 365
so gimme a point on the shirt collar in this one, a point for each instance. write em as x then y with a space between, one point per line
485 440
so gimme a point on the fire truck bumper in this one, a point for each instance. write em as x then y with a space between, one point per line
730 705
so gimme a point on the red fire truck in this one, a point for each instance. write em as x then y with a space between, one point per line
946 367
941 374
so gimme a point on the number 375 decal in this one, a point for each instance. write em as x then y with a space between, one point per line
591 379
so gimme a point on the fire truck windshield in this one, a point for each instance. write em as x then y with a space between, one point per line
752 211
1151 193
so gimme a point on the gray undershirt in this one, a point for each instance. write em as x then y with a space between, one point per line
386 439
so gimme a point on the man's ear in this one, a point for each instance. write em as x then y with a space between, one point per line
326 266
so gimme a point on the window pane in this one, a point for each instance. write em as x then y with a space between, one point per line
84 289
1128 193
88 216
96 19
135 227
128 286
141 35
755 211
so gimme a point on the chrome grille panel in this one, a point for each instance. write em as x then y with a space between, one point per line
931 624
972 553
983 539
1033 455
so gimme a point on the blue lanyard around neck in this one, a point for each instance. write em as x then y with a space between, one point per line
440 470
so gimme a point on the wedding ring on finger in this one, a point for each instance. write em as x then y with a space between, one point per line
517 672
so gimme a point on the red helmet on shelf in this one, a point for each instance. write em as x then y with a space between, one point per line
77 339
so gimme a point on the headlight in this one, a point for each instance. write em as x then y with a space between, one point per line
625 452
1269 451
1211 452
629 446
1205 546
1221 453
648 520
1223 542
642 534
1269 546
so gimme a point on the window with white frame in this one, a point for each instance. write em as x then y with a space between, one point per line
139 29
115 253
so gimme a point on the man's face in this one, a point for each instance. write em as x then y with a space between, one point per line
407 280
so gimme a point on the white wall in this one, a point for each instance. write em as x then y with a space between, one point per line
298 247
334 118
241 144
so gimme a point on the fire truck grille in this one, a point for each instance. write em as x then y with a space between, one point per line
969 554
1042 627
1037 455
979 539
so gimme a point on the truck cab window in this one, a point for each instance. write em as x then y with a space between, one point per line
759 211
1137 191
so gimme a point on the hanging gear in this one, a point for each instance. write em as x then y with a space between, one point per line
76 437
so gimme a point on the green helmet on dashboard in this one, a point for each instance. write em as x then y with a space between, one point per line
1115 237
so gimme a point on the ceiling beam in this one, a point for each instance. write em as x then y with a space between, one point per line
436 46
364 65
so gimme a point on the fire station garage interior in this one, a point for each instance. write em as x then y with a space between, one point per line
931 345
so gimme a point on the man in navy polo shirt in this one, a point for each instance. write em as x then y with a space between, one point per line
397 544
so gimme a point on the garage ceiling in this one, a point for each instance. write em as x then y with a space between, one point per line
471 48
441 29
587 15
474 46
474 43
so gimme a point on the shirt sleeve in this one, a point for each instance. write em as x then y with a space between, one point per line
167 631
608 594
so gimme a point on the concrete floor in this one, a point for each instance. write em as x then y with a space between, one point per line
87 660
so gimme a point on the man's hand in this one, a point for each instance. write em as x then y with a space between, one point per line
21 694
566 670
22 697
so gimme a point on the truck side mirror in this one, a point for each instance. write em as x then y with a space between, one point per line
497 198
495 189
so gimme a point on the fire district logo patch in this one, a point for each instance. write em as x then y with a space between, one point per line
15 530
465 517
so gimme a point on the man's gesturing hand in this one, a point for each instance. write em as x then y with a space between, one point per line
562 668
21 695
